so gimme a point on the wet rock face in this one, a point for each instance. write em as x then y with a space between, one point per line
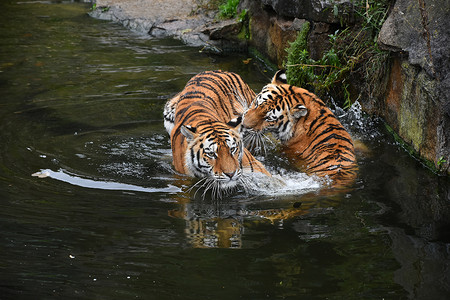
275 23
313 10
420 28
417 104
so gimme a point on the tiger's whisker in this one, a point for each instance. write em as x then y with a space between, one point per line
197 183
244 183
206 186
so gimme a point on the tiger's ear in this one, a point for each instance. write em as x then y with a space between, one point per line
188 131
233 123
299 111
280 77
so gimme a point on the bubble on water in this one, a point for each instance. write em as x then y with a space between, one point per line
135 169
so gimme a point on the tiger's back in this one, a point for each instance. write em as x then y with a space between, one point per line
225 94
325 149
214 95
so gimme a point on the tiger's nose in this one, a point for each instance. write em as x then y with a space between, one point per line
229 175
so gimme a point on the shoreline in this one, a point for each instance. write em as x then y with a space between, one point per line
182 20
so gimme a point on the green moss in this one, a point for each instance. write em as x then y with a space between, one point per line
411 151
264 60
245 33
228 9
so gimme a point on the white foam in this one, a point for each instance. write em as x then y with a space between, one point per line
288 183
61 175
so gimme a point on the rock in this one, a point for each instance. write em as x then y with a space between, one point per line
224 30
417 104
270 34
421 30
297 24
155 11
173 18
314 10
319 40
275 23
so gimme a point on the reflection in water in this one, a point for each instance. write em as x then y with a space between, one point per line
422 272
208 226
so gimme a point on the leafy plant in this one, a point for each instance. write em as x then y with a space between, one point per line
228 9
354 50
243 15
441 162
244 19
298 59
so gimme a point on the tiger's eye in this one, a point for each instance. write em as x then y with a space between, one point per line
211 154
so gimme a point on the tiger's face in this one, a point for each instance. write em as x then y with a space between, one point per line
214 153
277 108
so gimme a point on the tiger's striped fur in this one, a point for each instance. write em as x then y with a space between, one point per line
311 135
204 134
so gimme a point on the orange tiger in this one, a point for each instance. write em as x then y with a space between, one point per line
311 135
203 121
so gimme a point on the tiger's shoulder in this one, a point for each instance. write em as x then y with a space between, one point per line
169 113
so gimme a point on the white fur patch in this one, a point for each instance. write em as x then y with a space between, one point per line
210 147
264 95
273 115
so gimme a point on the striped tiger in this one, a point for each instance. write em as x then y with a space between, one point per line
204 121
311 135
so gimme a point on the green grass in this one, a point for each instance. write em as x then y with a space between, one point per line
354 51
228 9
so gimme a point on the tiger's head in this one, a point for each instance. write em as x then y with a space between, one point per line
277 108
214 153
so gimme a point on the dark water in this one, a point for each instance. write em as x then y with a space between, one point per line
82 100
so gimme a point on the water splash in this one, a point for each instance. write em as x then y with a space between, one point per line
360 125
282 184
64 176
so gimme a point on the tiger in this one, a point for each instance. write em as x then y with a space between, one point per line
203 122
310 134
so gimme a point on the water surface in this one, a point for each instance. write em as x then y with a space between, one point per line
81 103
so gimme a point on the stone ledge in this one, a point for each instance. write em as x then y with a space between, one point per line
201 30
